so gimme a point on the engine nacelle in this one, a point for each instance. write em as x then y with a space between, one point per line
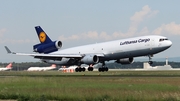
90 59
125 61
47 48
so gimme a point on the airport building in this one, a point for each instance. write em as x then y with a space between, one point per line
146 66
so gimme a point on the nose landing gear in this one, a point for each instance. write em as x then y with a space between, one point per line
150 59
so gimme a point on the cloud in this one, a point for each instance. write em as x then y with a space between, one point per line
2 31
139 16
4 39
105 36
146 12
85 36
171 28
23 41
13 41
144 31
90 34
120 35
136 19
73 37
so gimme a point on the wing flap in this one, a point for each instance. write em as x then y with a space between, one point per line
52 56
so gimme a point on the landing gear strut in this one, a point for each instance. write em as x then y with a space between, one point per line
90 68
103 68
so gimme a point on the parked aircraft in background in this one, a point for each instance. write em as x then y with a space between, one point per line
53 66
74 68
8 67
122 51
68 69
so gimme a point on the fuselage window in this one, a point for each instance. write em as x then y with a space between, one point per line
162 39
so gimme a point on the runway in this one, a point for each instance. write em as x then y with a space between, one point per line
110 73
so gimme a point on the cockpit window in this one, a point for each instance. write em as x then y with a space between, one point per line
162 39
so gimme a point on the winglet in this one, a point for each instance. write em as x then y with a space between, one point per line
8 50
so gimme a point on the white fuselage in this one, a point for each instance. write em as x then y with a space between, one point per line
40 68
8 67
4 69
119 49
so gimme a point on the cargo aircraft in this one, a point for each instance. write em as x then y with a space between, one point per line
8 67
53 66
122 51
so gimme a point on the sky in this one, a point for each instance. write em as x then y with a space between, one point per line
80 22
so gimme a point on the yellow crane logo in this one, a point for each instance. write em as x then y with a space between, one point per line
42 37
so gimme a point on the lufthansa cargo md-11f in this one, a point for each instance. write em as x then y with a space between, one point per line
122 51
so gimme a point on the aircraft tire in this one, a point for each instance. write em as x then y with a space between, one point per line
101 69
90 68
77 69
80 69
150 62
106 69
83 69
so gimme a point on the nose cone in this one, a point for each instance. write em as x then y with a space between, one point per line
169 43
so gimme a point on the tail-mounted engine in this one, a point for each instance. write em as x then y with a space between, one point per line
90 59
125 61
47 48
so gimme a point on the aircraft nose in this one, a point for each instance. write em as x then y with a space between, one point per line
169 43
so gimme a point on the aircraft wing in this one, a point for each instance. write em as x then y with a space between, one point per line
51 56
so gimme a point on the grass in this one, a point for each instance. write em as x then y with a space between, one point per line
88 86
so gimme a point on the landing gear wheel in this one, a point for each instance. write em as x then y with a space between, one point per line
101 69
150 62
79 69
90 68
83 69
105 69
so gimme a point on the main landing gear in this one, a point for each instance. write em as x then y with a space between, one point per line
79 69
90 68
83 69
103 68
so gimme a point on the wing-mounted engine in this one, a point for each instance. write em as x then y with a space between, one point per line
125 60
47 48
90 59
